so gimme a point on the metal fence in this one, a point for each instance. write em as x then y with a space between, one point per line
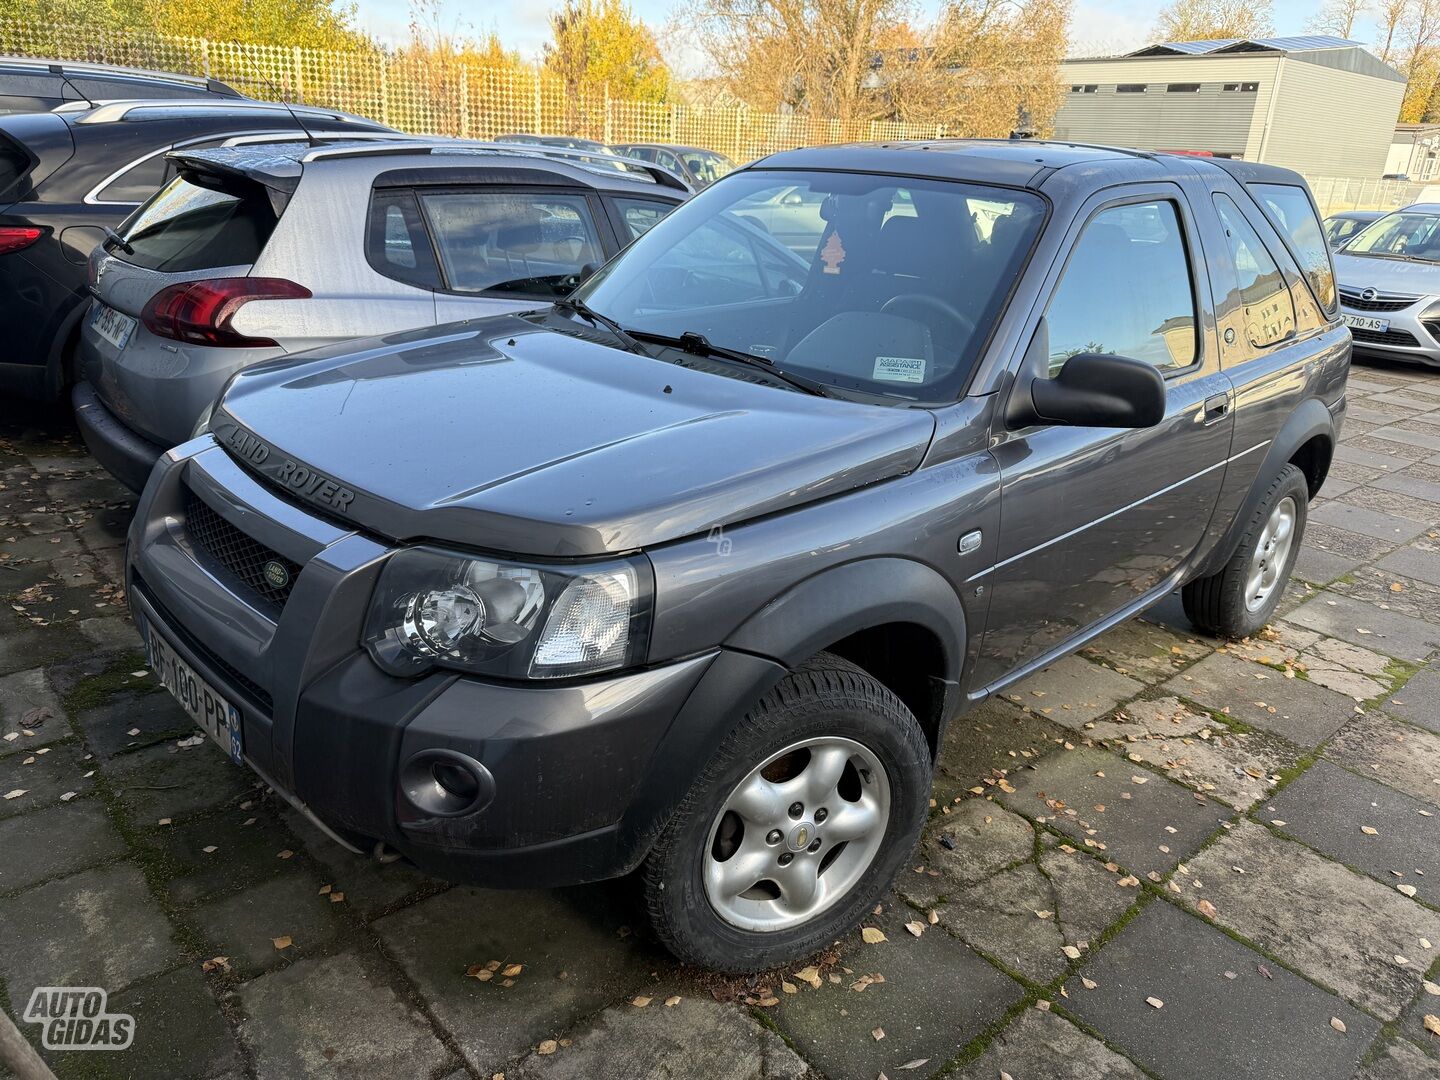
1334 193
441 94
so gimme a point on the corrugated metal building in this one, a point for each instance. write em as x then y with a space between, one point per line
1322 105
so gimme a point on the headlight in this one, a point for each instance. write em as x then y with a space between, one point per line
436 608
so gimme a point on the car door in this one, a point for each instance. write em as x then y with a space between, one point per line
1095 521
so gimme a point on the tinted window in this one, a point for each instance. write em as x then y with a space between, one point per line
640 215
137 183
866 282
512 242
1126 290
1262 304
397 244
1291 210
191 225
707 167
14 163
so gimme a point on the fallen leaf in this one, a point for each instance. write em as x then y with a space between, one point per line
672 1001
872 936
16 793
511 970
787 987
282 942
768 1002
921 1061
163 821
640 1002
1154 1003
1432 988
549 1046
809 975
1407 890
1089 984
1368 831
326 889
286 854
1337 1024
1432 1023
210 849
915 927
878 1034
1206 908
1071 951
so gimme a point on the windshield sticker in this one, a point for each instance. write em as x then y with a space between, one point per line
832 254
900 369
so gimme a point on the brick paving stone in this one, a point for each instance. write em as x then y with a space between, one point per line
1211 1027
1403 757
1400 504
1412 1023
44 777
243 925
28 704
1342 547
1040 1046
1134 825
997 735
179 1032
163 781
1353 455
1305 714
1073 690
1386 631
335 1017
1325 809
1419 699
1420 560
969 845
1410 484
1415 599
575 961
657 1042
1409 437
1400 1059
1367 522
1320 567
158 717
1237 767
97 928
57 840
1338 928
1023 917
936 997
244 854
369 886
1145 651
1148 718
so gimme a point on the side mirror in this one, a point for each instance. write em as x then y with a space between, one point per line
1101 390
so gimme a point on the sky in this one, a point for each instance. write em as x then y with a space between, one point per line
1096 25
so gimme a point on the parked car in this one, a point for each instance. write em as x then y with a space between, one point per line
29 85
690 571
1389 278
700 168
257 251
1341 226
67 176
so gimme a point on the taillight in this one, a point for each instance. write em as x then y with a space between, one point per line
18 237
200 312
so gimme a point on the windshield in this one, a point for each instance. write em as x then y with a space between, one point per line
705 166
1414 234
882 285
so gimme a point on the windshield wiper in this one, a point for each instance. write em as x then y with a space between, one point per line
699 345
594 318
119 241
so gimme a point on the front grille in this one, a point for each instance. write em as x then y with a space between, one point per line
1388 337
241 557
1382 301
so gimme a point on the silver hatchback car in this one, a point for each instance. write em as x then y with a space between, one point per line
1389 280
256 252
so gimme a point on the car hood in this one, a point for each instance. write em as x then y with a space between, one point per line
505 436
1359 272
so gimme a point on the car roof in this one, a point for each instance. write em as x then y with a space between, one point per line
281 163
1020 162
111 71
1358 214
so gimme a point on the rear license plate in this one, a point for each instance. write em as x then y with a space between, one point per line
201 701
111 325
1364 322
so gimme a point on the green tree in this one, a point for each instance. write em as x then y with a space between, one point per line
312 24
600 43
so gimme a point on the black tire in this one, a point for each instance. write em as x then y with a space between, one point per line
1217 604
825 696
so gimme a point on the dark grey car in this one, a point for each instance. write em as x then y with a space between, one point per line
691 572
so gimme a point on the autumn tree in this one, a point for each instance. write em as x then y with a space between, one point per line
598 45
1201 20
312 24
1338 17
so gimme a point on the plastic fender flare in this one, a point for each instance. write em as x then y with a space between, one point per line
54 383
836 603
1310 418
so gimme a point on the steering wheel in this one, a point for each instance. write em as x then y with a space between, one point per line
934 303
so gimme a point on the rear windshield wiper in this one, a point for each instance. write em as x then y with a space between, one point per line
594 318
699 345
119 241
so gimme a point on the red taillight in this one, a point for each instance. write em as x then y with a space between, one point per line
199 312
18 237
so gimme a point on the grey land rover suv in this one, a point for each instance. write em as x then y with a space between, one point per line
689 572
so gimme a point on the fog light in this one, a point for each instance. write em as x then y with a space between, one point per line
457 780
446 783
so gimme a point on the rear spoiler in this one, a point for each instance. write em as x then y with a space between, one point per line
46 143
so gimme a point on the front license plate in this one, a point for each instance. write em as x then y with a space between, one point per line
1364 322
111 325
204 704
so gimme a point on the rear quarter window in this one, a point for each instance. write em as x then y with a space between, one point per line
1292 212
14 164
196 223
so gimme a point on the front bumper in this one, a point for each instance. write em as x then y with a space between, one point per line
124 455
1413 333
584 772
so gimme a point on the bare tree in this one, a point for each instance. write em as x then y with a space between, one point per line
1199 20
1338 17
1390 15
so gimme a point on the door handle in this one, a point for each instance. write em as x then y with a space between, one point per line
1216 408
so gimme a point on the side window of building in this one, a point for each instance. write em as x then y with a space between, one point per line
1293 214
397 244
1259 309
1127 290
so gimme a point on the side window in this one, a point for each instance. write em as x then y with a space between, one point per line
522 243
396 243
137 183
1126 290
1291 211
1260 308
641 215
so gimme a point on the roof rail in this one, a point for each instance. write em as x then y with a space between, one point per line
71 67
295 135
108 112
590 160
